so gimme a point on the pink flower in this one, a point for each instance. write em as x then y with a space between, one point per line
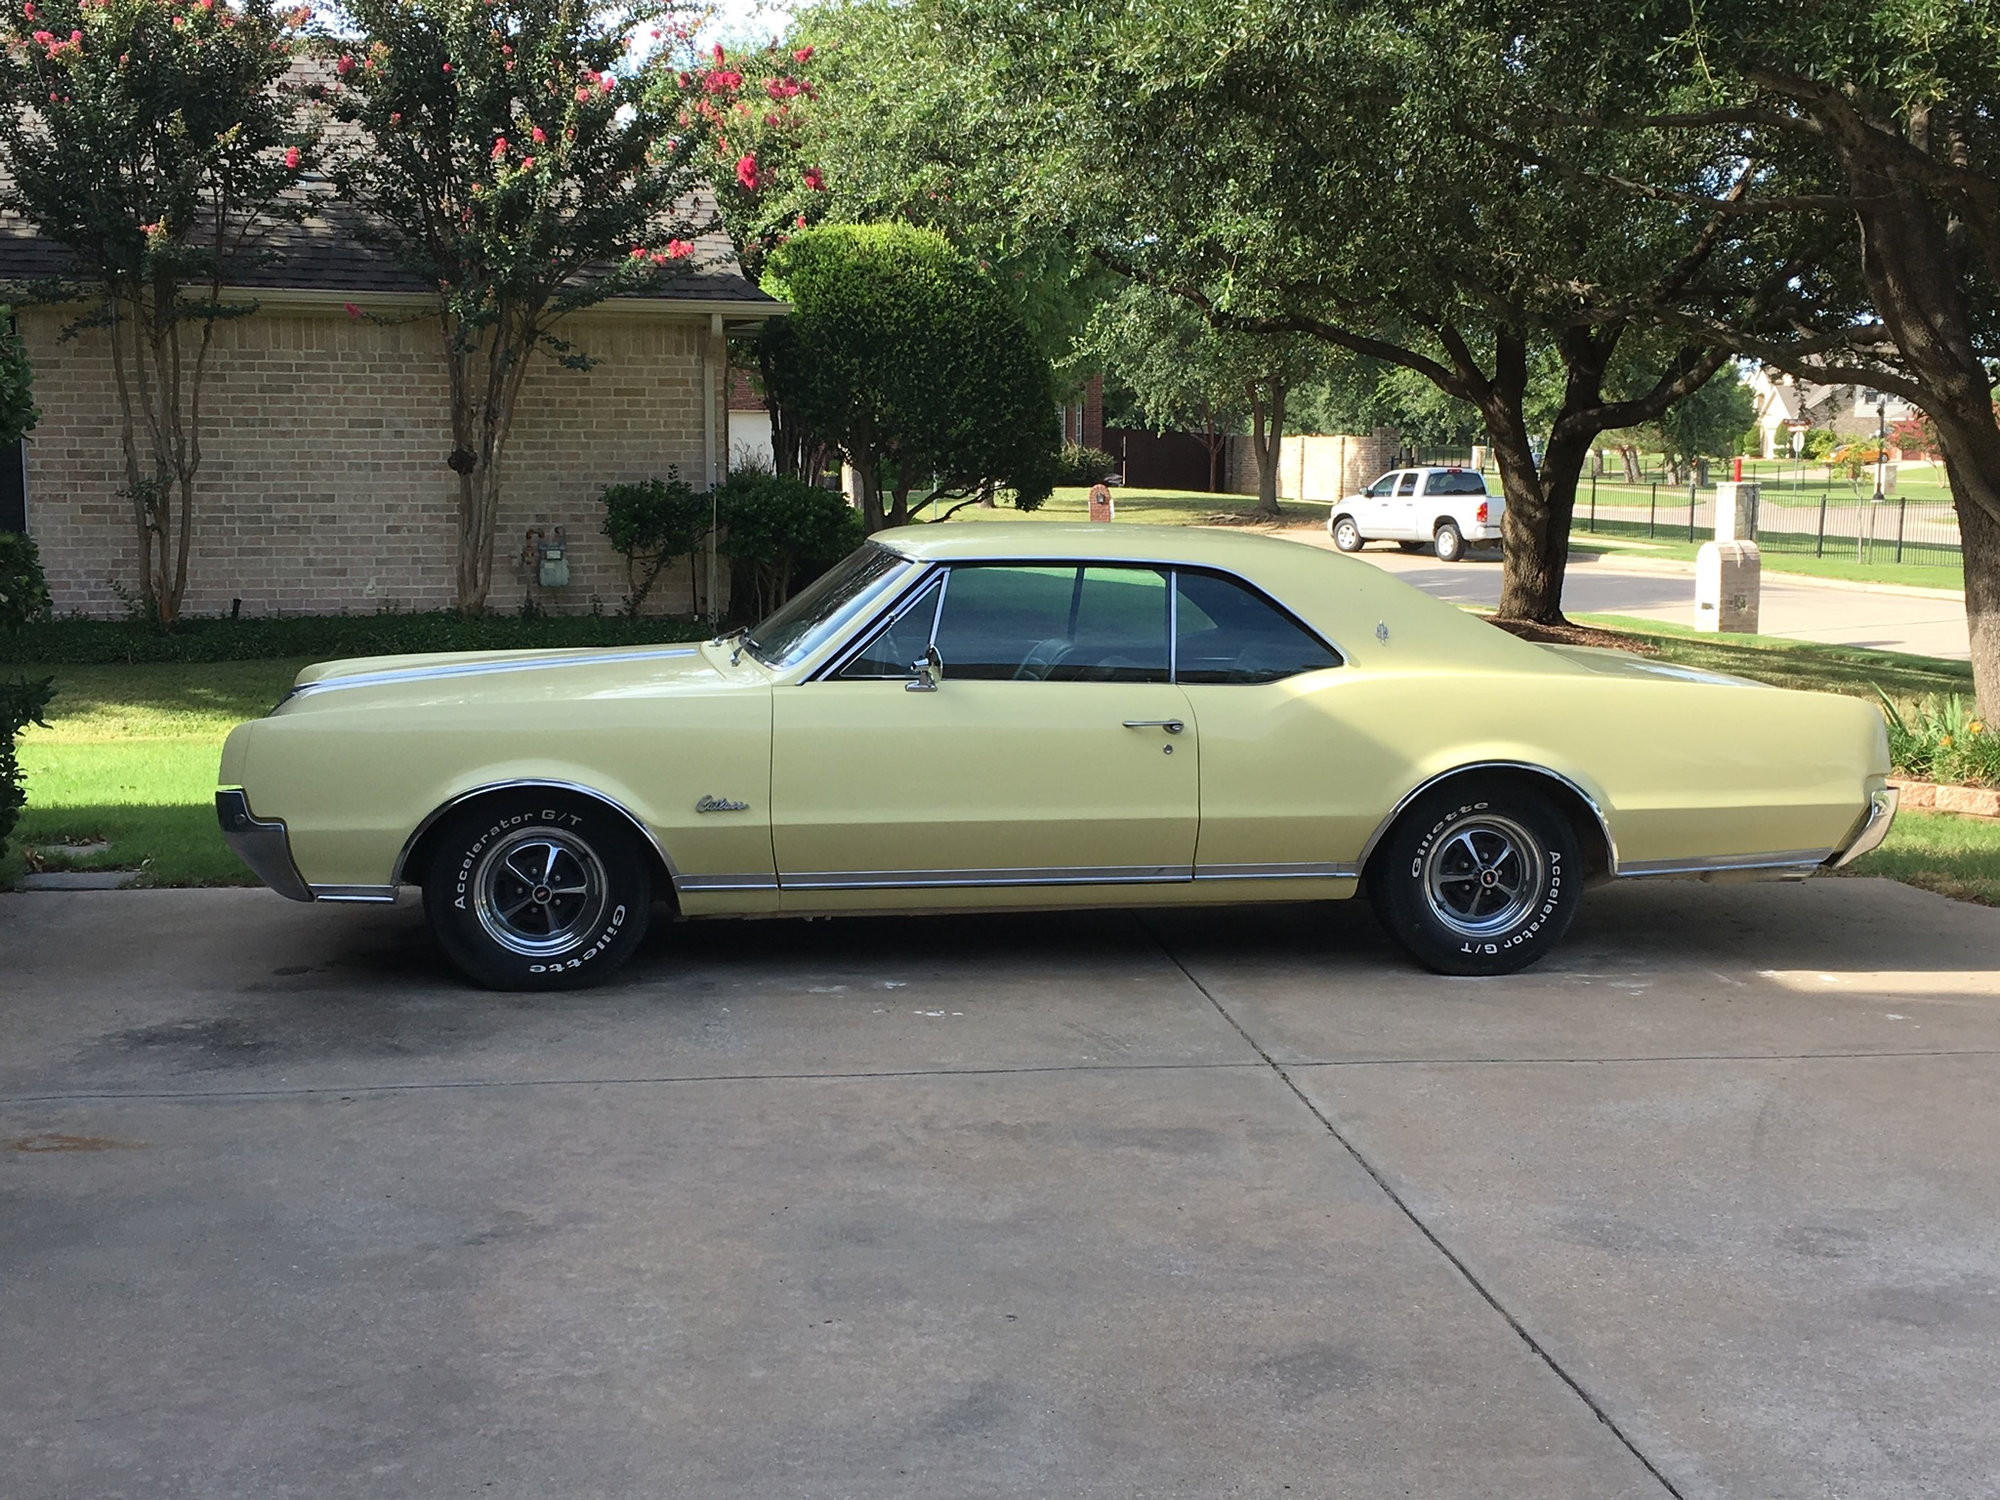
607 83
395 117
506 51
659 257
583 96
352 310
28 10
291 158
679 249
746 172
815 179
719 54
344 66
799 222
781 88
803 55
447 67
638 252
500 148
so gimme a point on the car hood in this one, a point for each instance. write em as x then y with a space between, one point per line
547 675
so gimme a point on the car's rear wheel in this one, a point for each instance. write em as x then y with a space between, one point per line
1346 535
1448 542
1479 877
537 891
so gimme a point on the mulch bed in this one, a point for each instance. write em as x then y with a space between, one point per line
1574 635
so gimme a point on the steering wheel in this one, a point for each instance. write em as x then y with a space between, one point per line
1042 658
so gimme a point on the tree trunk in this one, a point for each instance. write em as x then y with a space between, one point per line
1266 441
871 496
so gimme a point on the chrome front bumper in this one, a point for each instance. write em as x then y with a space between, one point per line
1873 828
264 847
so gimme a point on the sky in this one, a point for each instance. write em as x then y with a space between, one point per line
738 21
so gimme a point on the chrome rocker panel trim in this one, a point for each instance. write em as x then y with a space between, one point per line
263 845
356 895
1296 870
1790 864
892 880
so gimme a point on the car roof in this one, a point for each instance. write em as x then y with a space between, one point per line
1027 541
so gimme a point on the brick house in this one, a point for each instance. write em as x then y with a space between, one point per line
323 486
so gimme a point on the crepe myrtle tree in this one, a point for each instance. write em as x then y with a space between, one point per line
158 143
527 161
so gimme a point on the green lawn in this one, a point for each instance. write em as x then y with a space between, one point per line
1808 665
1956 857
129 761
1629 539
1158 508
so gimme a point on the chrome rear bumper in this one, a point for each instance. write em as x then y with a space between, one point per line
1873 828
264 847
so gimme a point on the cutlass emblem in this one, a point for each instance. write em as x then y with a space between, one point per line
720 804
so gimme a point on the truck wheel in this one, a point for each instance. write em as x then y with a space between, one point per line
1448 542
1346 535
537 890
1481 877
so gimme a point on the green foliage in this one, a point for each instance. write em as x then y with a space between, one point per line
159 144
24 592
782 533
650 524
1820 442
326 637
1941 738
1078 464
1708 423
18 412
24 600
902 354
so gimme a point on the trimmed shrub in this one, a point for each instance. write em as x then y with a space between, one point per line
1080 465
24 599
780 534
651 524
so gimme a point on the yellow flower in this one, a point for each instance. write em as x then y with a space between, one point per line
1975 727
1944 742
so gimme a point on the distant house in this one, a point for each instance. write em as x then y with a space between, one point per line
1848 411
323 484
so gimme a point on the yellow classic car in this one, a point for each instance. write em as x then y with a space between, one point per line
969 716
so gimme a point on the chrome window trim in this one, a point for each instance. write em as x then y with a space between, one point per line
891 617
1382 828
894 880
398 872
473 669
1171 571
1802 860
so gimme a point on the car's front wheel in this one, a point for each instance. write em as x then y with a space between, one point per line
1448 542
1346 535
1480 877
537 891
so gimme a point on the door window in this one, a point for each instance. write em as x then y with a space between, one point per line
1407 485
1229 633
1054 624
901 642
1383 486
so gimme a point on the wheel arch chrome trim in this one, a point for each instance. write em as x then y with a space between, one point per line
1473 767
399 872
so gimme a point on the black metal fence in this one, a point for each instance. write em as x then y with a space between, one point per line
1896 529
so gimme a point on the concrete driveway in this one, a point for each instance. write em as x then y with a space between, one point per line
1127 1205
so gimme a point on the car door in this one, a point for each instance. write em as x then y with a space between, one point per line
1400 520
1053 750
1370 507
1275 803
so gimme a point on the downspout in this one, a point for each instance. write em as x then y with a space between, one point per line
714 373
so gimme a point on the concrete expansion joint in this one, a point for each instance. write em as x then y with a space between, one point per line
1465 1272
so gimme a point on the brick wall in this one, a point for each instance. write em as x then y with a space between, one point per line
323 486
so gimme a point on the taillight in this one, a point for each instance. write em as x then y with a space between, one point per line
1480 514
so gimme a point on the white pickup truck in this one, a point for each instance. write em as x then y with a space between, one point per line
1449 508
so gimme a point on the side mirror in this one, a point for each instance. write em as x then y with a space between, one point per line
927 671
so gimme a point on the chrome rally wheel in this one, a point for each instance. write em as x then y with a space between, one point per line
537 889
1480 876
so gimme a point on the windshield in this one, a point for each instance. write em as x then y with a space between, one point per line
824 605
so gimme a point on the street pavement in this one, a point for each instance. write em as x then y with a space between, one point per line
1923 622
1198 1204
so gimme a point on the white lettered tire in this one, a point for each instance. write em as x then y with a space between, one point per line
1481 876
537 890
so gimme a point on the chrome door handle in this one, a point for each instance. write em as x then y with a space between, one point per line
1172 726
